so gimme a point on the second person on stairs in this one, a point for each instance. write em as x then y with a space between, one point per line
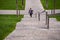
30 12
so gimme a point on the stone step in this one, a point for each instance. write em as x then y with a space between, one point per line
32 27
27 34
52 19
32 22
35 15
35 34
41 34
29 19
28 23
28 16
42 17
27 38
33 19
55 25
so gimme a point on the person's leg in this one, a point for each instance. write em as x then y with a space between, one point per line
30 15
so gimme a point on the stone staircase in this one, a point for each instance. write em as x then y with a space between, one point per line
32 29
32 22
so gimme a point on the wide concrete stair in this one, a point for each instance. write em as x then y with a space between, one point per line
54 24
37 34
30 28
32 22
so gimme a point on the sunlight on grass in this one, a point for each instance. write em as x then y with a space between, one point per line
51 4
57 16
11 4
8 24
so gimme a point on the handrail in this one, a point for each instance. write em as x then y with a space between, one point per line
38 16
43 11
47 17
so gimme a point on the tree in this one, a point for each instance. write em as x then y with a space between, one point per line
54 6
47 17
22 3
46 4
17 8
46 11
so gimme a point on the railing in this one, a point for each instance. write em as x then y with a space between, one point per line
47 20
38 16
47 17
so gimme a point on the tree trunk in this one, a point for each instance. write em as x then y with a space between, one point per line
47 4
46 10
19 12
22 3
17 8
54 6
47 17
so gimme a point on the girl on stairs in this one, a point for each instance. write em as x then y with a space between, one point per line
30 12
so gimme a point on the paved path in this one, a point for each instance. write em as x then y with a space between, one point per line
32 29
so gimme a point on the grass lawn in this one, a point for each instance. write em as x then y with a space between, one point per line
57 16
8 24
51 4
10 4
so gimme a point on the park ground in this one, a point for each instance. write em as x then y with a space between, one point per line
6 21
8 24
51 4
11 5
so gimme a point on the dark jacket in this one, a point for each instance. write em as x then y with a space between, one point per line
31 11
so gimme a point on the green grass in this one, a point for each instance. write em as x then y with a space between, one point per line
57 16
11 4
8 24
51 4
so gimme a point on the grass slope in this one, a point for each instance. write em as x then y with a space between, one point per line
8 24
10 4
51 4
57 16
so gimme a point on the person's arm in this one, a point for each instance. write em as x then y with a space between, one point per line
32 11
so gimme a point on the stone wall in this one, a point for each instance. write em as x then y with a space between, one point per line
51 11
